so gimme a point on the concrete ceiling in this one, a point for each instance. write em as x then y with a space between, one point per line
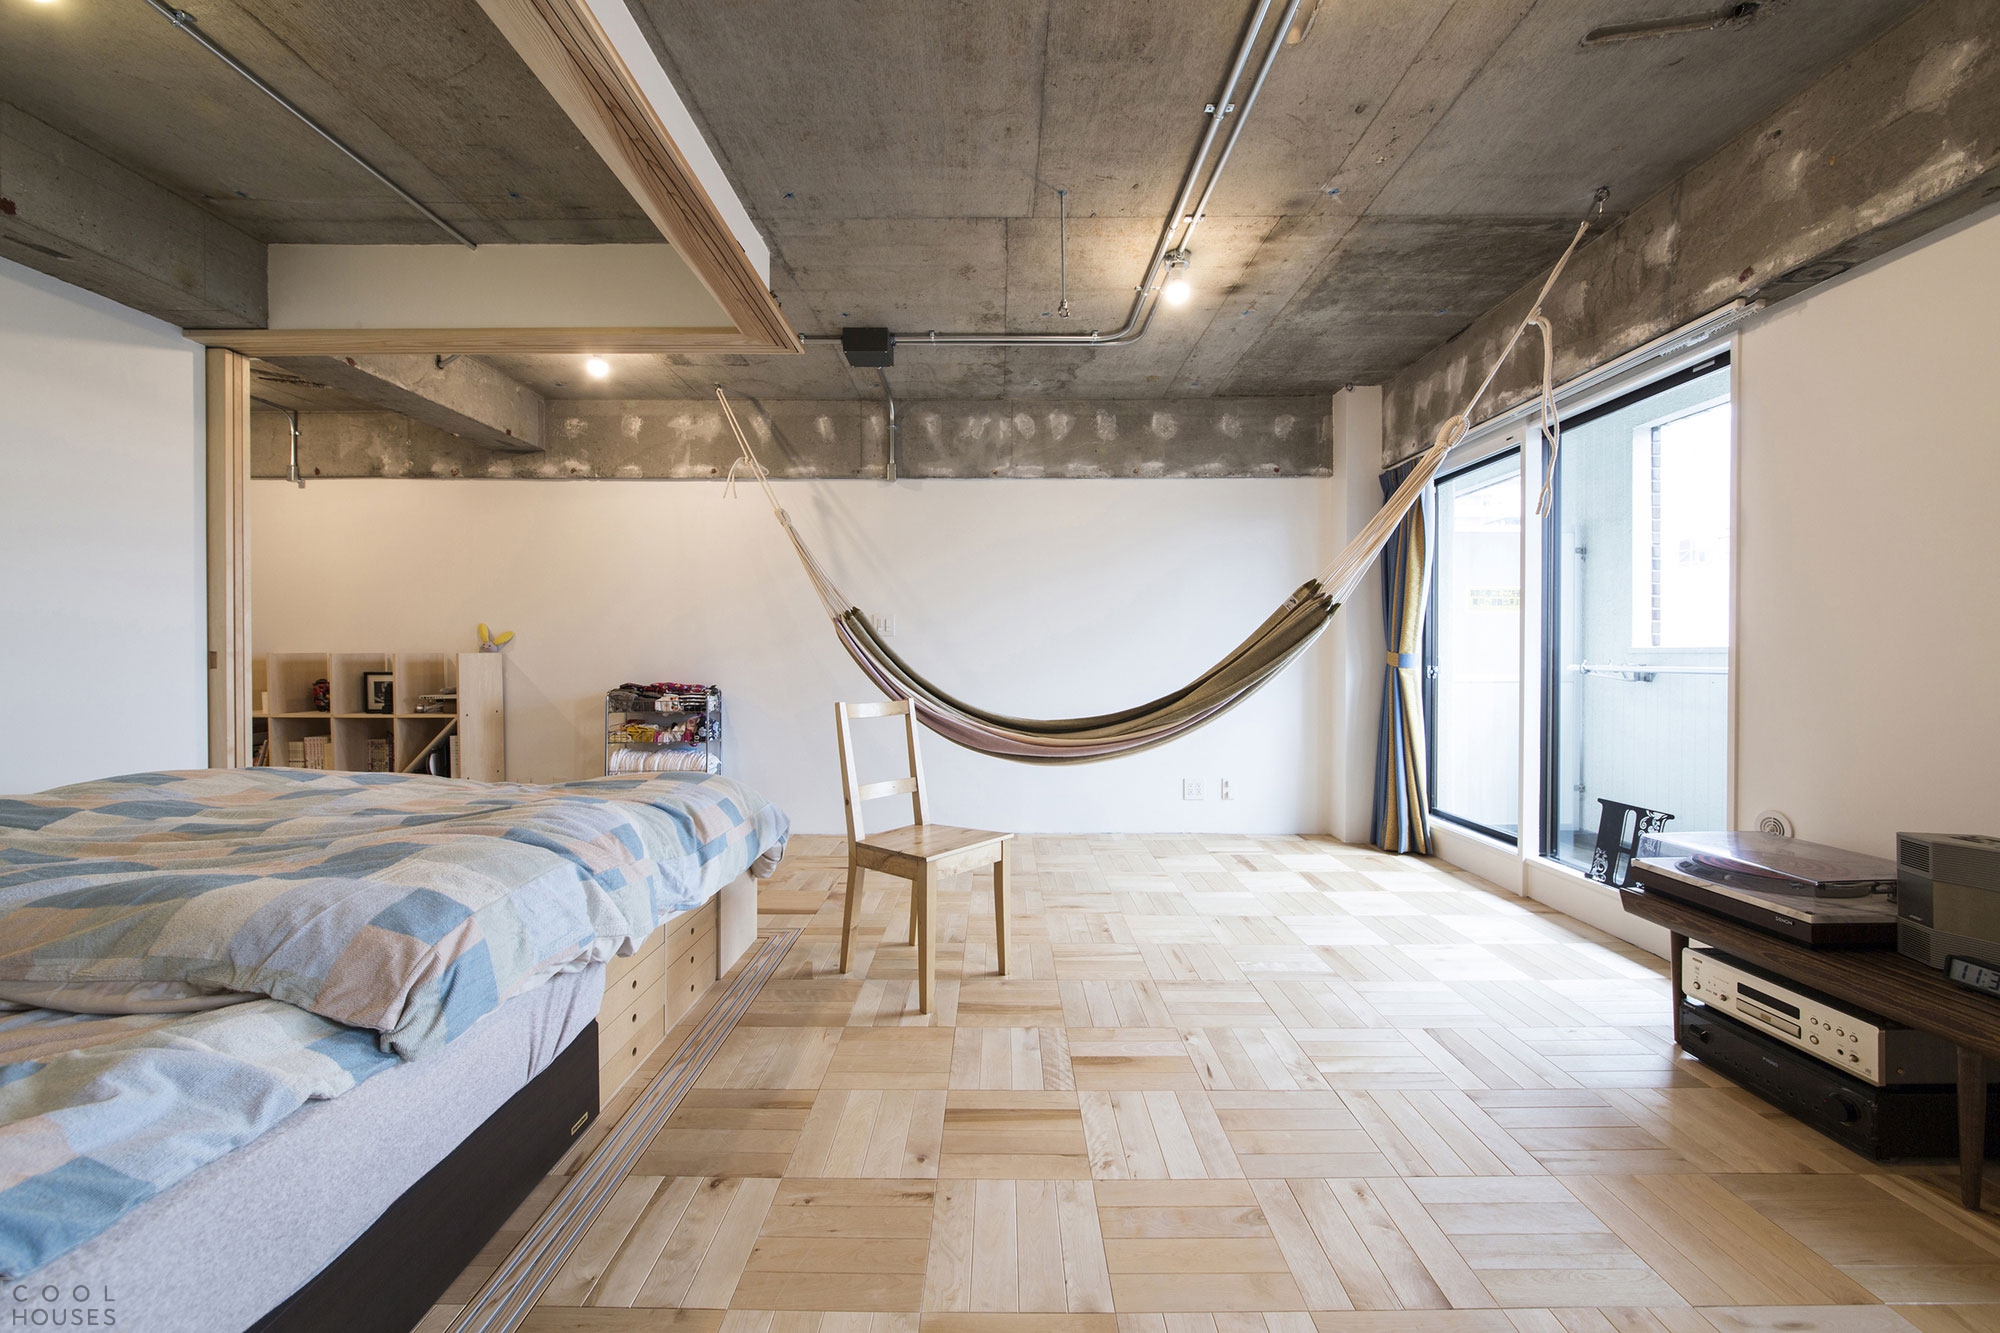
1410 163
429 92
900 157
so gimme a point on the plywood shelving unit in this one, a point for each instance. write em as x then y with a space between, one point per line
481 716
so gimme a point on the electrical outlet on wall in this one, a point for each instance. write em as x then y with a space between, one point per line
1191 789
1222 789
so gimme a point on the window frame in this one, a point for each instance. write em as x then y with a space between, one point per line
1430 647
1551 589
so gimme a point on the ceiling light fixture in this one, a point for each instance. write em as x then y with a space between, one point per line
1177 291
597 368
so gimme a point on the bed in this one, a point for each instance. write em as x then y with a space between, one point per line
266 1027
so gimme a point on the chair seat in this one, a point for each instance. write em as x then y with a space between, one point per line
930 842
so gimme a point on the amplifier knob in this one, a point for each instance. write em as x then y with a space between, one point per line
1852 1058
1814 1039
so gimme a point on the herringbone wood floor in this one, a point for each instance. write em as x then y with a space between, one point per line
1240 1085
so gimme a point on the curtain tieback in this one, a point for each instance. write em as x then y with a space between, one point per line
1407 661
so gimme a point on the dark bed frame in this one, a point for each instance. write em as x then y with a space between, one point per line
394 1272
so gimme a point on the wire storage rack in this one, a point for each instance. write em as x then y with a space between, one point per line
664 727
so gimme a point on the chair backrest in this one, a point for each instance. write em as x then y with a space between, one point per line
852 790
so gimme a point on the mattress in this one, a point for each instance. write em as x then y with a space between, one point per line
223 1246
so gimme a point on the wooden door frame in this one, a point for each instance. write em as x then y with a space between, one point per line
228 492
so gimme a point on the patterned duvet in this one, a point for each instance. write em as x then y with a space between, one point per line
379 913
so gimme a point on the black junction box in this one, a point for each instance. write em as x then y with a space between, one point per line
868 347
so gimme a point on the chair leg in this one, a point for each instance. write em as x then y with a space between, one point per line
923 891
1002 928
851 910
913 911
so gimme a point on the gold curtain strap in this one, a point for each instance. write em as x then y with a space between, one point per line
1403 660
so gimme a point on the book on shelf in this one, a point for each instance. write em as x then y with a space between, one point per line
454 755
295 754
314 752
379 756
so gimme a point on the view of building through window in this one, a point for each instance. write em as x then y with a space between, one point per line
1680 531
1637 560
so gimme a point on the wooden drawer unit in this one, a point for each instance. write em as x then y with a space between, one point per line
690 972
689 926
628 1055
646 993
625 979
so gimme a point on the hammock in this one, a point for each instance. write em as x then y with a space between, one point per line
1289 630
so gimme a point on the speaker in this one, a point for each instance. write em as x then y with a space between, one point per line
1948 897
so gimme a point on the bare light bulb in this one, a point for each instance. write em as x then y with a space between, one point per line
597 368
1176 291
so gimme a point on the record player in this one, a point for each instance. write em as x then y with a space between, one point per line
1823 897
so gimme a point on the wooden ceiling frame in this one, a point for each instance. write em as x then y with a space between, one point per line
568 50
479 342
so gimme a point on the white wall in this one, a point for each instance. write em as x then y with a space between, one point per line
1355 647
102 584
1040 598
1868 549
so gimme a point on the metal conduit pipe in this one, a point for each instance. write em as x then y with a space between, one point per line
1141 315
185 21
889 397
292 473
1236 130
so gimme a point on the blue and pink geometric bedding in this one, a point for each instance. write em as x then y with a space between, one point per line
100 1113
380 914
407 905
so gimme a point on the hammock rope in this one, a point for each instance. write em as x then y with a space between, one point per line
1286 633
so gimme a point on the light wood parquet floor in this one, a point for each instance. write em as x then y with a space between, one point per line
1239 1085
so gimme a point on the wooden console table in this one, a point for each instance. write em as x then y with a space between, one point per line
1880 980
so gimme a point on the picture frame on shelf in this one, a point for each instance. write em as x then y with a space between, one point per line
378 691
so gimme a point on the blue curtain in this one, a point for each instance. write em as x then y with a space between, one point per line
1402 821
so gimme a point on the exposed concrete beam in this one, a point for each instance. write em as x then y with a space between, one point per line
74 214
689 440
1901 138
463 397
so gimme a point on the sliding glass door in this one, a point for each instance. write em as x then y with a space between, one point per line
1636 632
1473 653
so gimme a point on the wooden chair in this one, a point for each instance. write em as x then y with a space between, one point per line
919 852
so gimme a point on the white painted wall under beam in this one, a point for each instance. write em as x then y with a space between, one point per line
1042 598
493 287
1868 555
